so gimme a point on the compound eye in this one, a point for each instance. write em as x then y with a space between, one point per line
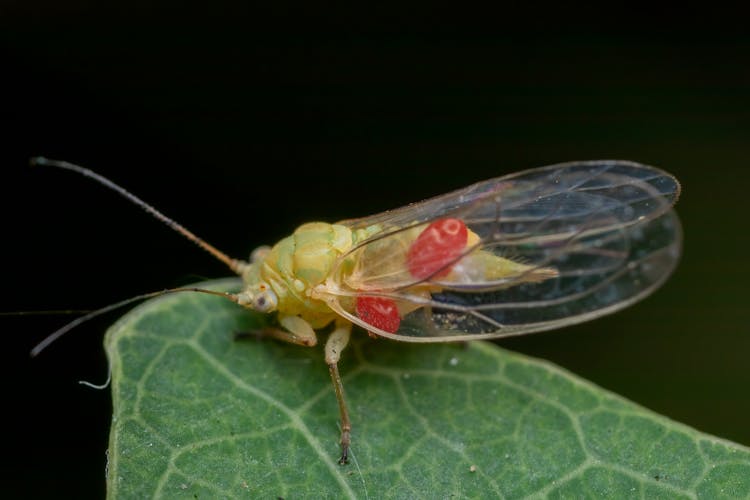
265 300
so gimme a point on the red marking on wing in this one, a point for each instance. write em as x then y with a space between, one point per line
379 312
439 244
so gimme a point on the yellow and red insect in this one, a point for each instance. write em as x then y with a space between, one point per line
526 252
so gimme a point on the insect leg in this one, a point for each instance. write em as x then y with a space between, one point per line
295 331
336 343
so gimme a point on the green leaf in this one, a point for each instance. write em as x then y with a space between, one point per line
198 414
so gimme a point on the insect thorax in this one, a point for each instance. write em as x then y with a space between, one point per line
299 262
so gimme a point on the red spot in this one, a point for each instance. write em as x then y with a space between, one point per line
379 312
436 247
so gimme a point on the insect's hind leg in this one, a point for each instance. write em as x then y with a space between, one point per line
336 343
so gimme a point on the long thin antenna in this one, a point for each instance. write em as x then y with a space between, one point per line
51 312
93 314
235 265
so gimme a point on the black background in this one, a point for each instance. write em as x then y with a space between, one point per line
242 122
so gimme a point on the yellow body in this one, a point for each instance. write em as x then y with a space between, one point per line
298 263
297 271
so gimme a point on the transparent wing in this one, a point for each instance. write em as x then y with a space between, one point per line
547 247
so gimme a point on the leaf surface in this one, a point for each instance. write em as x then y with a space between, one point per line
199 414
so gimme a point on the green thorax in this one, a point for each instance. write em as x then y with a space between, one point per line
305 259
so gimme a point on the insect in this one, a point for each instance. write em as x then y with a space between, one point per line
530 251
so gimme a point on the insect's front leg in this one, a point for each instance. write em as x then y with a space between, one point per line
295 331
336 343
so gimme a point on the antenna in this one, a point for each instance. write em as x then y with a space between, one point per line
93 314
235 265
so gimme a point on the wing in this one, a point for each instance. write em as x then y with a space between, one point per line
544 248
